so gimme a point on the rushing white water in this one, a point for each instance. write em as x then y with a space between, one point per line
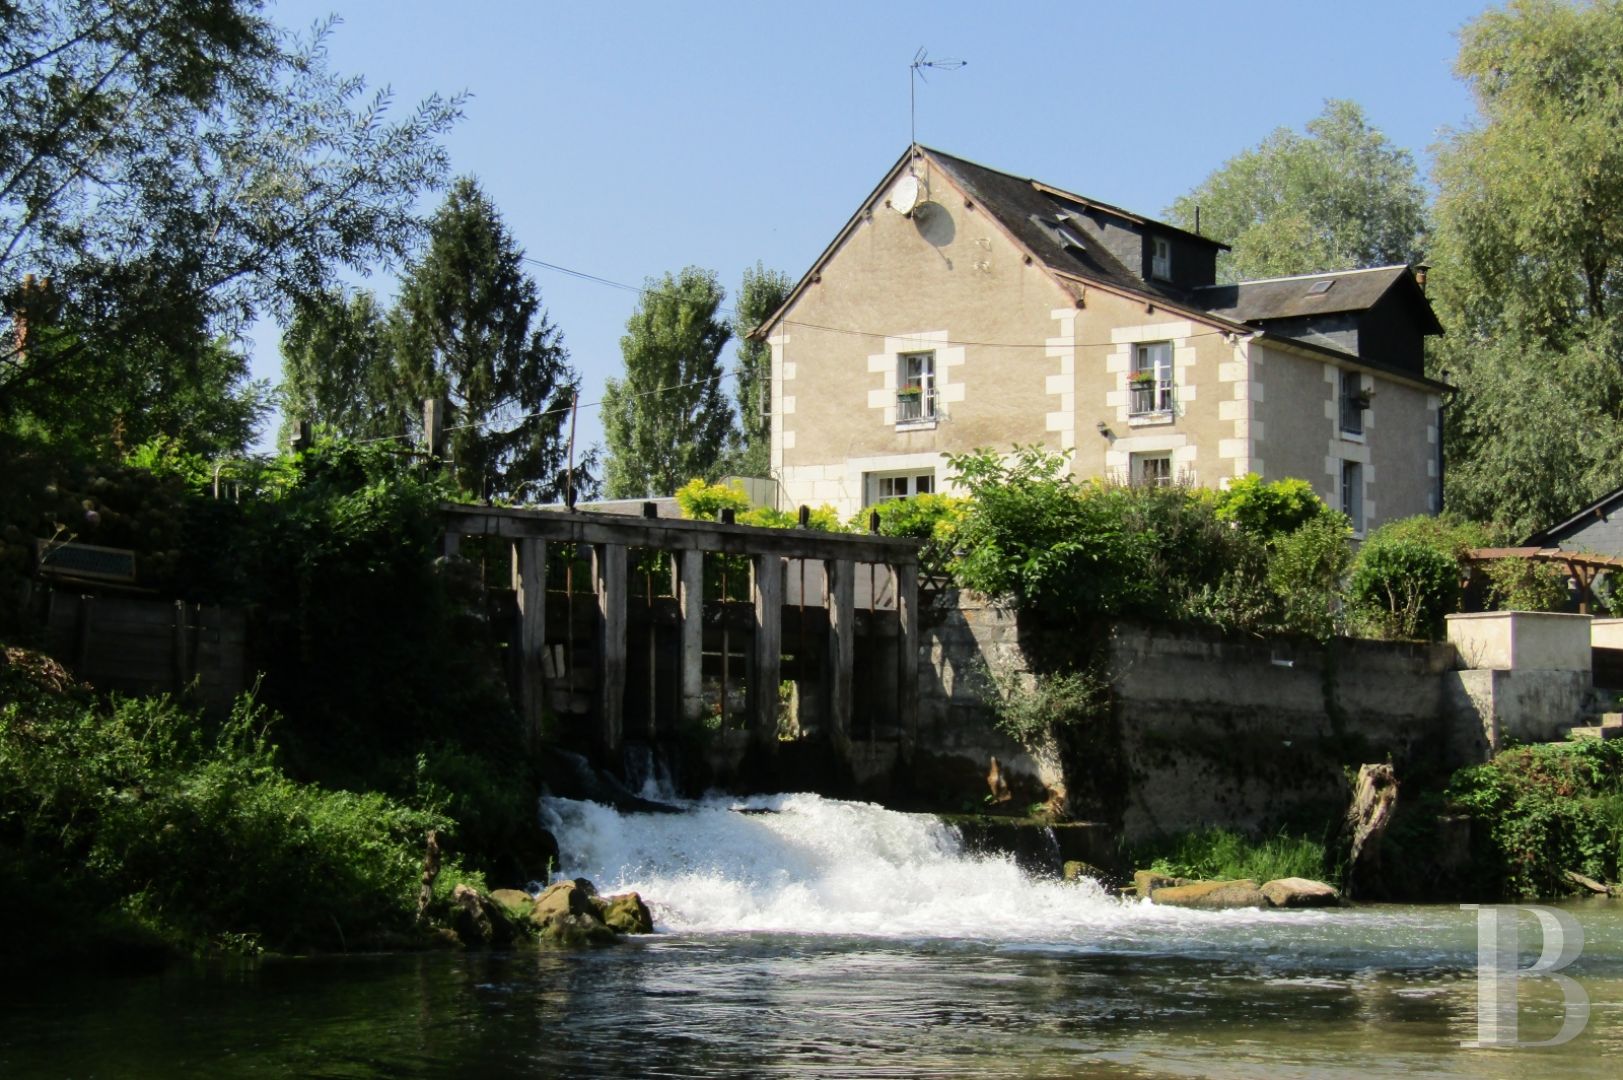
821 866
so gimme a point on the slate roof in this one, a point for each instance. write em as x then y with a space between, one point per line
1032 211
1600 510
1294 297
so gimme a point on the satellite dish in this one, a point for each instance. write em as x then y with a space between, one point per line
905 196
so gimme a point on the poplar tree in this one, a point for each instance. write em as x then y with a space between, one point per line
337 367
667 421
469 328
763 291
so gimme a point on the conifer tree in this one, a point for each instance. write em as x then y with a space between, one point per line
469 327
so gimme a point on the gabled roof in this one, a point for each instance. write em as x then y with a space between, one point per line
1599 510
1330 293
1035 213
1030 212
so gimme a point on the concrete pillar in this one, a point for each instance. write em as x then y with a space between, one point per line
768 645
907 644
690 597
530 585
609 577
841 574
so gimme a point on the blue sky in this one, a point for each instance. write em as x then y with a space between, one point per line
625 140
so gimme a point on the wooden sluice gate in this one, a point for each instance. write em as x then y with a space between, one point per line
640 628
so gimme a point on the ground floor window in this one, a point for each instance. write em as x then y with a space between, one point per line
1352 493
881 487
1150 470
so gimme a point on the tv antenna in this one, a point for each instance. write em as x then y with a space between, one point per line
915 72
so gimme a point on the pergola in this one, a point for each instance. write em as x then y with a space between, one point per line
1583 566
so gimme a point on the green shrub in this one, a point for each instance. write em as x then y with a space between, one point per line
1032 709
1403 588
1226 855
1547 808
1525 585
932 518
705 502
1269 510
196 832
1306 568
1033 537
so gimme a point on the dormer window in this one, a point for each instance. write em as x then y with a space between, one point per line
1161 258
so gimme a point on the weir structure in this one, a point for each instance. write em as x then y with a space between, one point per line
638 628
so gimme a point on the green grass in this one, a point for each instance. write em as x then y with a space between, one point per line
1223 855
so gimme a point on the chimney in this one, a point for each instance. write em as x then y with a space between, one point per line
1420 275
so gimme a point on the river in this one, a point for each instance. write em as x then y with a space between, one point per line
811 937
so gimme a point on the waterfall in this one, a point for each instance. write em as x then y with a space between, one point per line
805 864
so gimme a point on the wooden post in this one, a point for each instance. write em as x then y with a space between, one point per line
434 427
842 636
690 595
907 644
610 582
530 584
181 657
82 636
768 645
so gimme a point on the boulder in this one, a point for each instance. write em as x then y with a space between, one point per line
1146 882
1076 869
478 921
625 913
564 898
516 902
566 915
1296 892
1212 895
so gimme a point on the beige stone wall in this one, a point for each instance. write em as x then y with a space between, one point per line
946 280
1291 413
1403 450
1300 421
1198 433
1021 358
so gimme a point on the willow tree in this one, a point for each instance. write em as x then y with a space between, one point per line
1529 263
174 171
469 328
667 421
1339 197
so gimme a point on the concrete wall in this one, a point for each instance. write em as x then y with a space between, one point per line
1247 734
1606 633
1521 640
1497 706
1204 730
1298 434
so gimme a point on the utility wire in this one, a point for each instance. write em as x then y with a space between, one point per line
644 291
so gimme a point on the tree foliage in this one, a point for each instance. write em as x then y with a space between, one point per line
469 327
174 170
667 421
337 367
1530 264
762 293
1337 198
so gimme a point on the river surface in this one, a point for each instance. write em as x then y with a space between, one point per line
822 938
